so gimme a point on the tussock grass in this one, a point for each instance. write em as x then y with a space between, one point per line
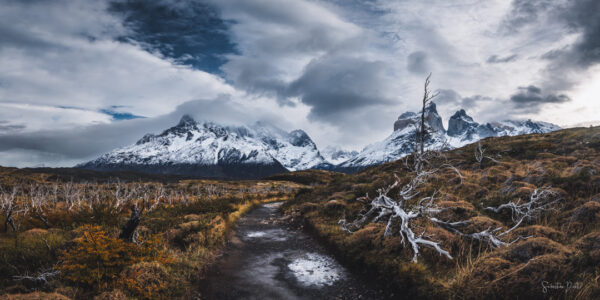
563 246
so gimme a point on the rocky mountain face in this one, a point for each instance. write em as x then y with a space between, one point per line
211 150
207 149
462 130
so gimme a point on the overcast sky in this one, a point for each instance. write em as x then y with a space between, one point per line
81 77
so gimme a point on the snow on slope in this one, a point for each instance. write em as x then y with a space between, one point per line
336 155
194 143
462 130
265 149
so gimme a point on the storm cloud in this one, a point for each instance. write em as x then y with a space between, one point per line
189 32
569 63
532 97
418 63
495 59
81 77
340 85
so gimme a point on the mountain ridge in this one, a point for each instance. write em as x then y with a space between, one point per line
209 149
462 130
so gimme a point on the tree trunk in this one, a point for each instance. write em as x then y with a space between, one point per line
422 133
43 219
128 230
9 221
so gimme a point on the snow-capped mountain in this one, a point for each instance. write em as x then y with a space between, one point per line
207 149
462 130
337 155
211 150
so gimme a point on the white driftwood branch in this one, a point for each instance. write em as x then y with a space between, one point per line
539 201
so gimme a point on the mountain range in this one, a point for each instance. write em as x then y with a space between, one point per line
462 130
211 150
208 149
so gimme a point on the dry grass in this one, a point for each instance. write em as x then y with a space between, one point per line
188 224
563 245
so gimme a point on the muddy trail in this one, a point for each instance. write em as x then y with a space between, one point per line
267 260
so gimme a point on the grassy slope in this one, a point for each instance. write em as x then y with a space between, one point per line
566 242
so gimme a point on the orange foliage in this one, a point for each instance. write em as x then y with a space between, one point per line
96 259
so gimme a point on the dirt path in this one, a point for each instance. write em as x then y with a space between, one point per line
266 260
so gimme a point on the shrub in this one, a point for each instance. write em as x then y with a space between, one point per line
147 280
96 259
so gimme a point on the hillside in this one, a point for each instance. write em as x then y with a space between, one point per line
557 254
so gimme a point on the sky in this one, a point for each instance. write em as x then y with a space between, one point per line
82 77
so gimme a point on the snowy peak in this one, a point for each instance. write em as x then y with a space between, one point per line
459 123
462 125
186 120
191 145
462 130
411 119
299 138
512 127
405 120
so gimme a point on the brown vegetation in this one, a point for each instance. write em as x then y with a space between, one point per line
64 238
559 245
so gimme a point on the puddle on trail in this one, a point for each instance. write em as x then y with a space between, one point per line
273 204
277 235
296 268
314 269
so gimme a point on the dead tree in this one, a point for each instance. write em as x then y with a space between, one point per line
479 155
38 195
9 208
128 231
427 97
383 206
539 201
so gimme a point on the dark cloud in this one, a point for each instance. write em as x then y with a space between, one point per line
532 96
447 96
584 16
525 12
475 101
577 16
334 86
11 37
553 54
6 126
190 32
495 59
418 63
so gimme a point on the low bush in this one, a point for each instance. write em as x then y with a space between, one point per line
96 259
